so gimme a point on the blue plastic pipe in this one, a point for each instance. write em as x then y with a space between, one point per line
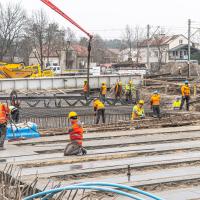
75 187
121 187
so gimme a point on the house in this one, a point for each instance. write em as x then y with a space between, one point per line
180 52
72 57
50 58
162 49
105 55
112 56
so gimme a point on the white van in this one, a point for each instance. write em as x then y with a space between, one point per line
55 69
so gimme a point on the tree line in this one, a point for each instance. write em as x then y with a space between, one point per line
20 34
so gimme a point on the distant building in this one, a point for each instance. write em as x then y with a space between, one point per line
73 57
162 49
112 56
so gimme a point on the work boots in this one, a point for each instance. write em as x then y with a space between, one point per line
84 151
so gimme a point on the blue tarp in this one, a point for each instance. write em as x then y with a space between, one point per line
22 130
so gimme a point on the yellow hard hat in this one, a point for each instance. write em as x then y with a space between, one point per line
72 114
141 102
103 83
85 81
130 81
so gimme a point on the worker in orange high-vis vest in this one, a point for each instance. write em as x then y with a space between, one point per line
4 117
185 91
99 110
103 91
155 104
118 89
86 89
75 131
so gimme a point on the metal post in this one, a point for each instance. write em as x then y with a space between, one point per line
189 36
67 54
148 30
88 65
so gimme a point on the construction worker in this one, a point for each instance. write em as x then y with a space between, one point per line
155 104
75 131
118 89
129 91
99 110
185 91
103 91
85 89
14 111
177 104
4 117
138 111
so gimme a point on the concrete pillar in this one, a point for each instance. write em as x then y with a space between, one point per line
63 60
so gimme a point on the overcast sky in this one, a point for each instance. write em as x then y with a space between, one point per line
109 17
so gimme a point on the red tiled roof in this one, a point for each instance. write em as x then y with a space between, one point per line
160 40
80 50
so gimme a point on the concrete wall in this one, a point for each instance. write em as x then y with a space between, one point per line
63 82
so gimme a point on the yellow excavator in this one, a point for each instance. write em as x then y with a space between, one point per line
19 70
38 72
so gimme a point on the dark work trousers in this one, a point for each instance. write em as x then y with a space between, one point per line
100 113
103 97
156 111
73 148
15 115
187 99
86 95
128 96
3 129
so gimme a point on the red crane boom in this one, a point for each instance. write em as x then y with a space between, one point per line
55 8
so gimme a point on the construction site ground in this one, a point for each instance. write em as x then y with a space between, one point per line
163 155
164 161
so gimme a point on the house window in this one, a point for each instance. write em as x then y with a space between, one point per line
180 41
174 54
185 53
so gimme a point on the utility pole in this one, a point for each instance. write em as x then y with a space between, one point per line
88 65
189 37
148 37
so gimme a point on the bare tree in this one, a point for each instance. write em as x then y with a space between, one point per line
159 40
24 49
38 34
70 35
138 37
128 37
98 49
12 22
132 39
83 41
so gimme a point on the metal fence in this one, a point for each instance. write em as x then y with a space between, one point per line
61 121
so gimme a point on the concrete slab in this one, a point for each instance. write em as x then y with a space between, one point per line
118 133
183 194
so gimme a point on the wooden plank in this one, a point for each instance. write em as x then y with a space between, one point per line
112 155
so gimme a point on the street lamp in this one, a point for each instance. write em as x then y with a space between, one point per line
67 50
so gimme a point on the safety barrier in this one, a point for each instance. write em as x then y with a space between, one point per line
49 83
99 186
